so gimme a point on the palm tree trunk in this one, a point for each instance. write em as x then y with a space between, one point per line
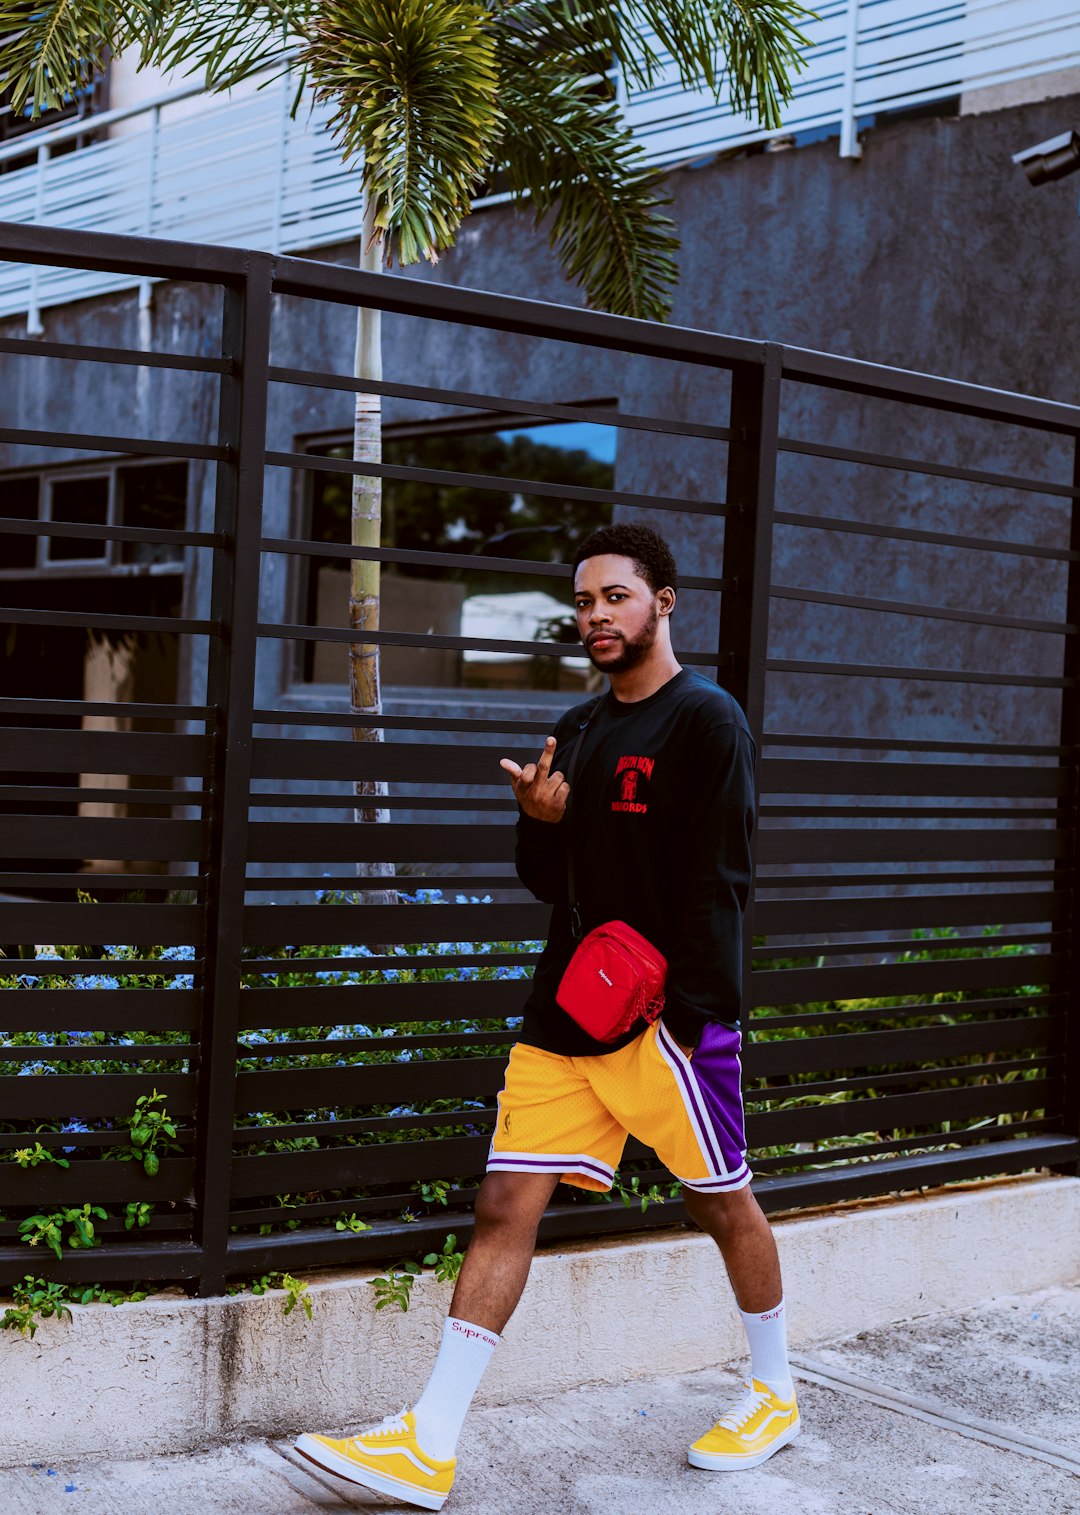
365 696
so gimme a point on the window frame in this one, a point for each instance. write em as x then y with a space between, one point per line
111 563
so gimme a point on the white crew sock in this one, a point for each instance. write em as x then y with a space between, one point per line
440 1412
767 1335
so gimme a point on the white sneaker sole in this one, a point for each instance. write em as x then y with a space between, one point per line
332 1462
720 1464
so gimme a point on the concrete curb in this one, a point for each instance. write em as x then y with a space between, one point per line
172 1374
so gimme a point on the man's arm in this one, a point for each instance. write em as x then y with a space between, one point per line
541 795
711 887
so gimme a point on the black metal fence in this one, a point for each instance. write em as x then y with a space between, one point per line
910 804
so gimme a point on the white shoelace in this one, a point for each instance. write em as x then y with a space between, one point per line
386 1427
738 1416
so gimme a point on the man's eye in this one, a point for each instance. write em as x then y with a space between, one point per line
614 597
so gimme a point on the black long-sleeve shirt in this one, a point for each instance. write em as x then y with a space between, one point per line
661 814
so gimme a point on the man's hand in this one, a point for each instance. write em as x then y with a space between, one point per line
540 793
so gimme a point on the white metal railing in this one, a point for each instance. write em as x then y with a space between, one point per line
241 171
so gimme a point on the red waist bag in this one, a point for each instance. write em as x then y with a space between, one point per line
614 979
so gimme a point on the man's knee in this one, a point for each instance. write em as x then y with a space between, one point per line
722 1214
513 1201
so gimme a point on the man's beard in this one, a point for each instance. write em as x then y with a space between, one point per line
633 652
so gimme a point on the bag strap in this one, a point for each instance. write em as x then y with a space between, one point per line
571 889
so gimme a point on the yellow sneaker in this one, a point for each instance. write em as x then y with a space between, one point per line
751 1431
387 1459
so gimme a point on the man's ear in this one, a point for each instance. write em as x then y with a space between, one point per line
666 597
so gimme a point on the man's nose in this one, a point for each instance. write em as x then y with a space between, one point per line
599 613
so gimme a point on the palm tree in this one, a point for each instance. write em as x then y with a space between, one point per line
430 97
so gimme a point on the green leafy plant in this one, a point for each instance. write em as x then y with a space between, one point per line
33 1157
151 1132
433 1192
394 1287
49 1228
296 1291
137 1213
632 1193
351 1223
34 1301
447 1261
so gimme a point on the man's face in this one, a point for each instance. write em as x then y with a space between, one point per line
616 612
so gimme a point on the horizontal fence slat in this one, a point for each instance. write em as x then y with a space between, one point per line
359 1167
862 458
323 842
133 752
92 1094
375 1084
401 762
595 415
937 844
98 1009
98 1180
923 1044
788 986
380 1004
891 1112
783 917
169 841
135 925
322 924
943 780
916 674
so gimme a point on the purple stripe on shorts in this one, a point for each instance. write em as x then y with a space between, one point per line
694 1094
716 1071
550 1164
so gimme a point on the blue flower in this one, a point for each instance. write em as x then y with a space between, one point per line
184 954
357 950
514 1022
181 981
391 975
404 1056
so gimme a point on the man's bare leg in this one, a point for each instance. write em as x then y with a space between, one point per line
738 1226
496 1267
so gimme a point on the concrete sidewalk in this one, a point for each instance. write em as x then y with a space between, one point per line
977 1412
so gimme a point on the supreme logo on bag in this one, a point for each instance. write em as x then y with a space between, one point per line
633 972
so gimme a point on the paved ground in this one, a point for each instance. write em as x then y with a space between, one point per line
977 1414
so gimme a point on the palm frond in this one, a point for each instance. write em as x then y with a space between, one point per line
415 86
761 45
51 49
227 40
572 157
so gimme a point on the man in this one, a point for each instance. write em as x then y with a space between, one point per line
660 826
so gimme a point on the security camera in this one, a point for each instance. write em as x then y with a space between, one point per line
1052 159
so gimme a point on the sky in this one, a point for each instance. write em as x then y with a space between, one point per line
599 441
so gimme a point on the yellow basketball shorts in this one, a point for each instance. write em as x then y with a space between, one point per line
572 1115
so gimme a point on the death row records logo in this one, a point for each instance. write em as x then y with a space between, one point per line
632 775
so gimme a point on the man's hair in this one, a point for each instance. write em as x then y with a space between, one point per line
653 558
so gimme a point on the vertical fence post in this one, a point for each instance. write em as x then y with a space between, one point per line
230 693
152 143
1070 740
748 537
34 327
850 146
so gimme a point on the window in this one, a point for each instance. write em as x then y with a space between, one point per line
19 501
150 495
85 499
464 598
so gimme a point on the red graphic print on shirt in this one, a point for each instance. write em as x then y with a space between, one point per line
632 775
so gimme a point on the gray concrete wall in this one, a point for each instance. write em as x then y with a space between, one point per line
932 253
171 1374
